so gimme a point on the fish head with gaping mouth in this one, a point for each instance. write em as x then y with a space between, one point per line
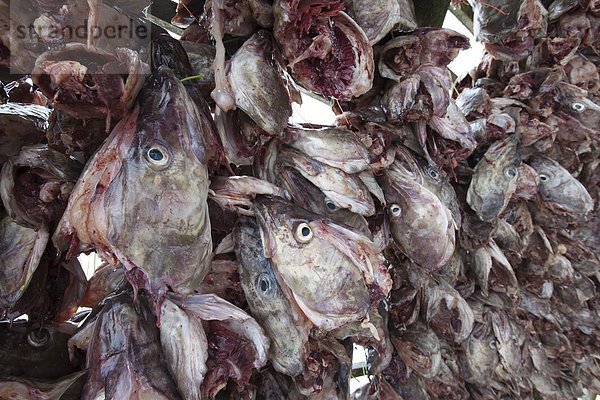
327 269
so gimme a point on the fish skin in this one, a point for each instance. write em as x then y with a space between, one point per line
286 328
379 17
344 190
341 294
185 347
125 360
495 178
22 249
422 218
144 213
559 187
257 86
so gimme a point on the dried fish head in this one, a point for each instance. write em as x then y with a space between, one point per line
284 325
495 178
327 269
480 355
378 18
137 196
257 85
327 52
558 187
419 348
125 359
418 216
342 189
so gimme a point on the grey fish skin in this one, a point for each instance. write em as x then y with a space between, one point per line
185 347
335 146
495 178
480 356
22 249
419 348
378 18
344 190
144 194
325 268
559 187
125 359
257 86
310 197
268 302
418 216
436 181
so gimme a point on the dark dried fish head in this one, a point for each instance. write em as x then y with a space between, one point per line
418 216
495 178
558 187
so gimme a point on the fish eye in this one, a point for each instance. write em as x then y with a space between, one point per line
493 345
303 233
264 284
544 178
579 107
38 337
577 275
330 205
511 172
432 172
158 156
395 210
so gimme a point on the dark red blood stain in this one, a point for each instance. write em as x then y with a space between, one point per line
28 184
229 356
334 73
305 12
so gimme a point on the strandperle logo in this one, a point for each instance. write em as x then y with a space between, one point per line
38 26
62 33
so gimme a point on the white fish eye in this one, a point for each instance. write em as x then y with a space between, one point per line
264 284
303 233
432 172
577 275
493 345
511 172
38 337
579 107
544 178
158 156
330 205
395 210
